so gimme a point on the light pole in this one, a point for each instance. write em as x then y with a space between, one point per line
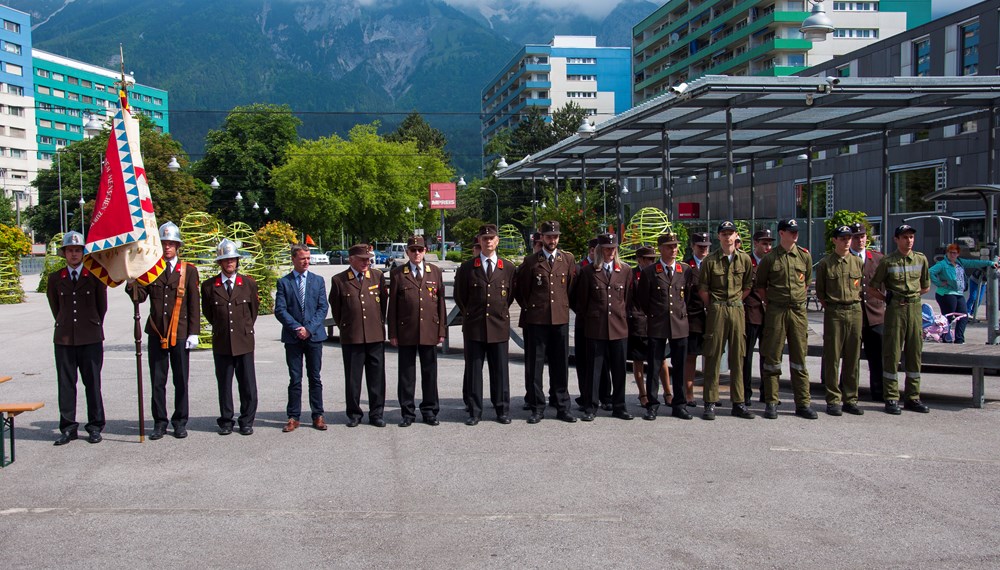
497 196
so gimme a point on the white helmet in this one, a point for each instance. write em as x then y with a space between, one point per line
226 250
71 238
170 232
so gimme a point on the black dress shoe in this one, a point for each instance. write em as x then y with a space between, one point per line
607 406
431 421
180 432
65 438
771 411
246 430
472 421
587 417
650 415
353 422
503 419
680 412
622 415
853 409
834 410
377 422
916 406
709 413
158 433
407 422
566 417
741 411
225 430
94 437
535 418
806 412
892 407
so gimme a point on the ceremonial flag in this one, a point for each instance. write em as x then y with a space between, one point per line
123 242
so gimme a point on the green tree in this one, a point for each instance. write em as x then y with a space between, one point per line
566 121
532 134
7 214
464 232
241 155
361 185
844 218
428 139
174 193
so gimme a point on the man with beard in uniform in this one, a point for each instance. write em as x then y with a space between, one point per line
417 321
700 243
541 287
872 310
173 326
753 308
358 298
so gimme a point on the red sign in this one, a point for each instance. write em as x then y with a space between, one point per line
442 196
689 210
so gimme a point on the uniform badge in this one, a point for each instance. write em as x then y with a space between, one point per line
802 276
503 293
857 282
538 279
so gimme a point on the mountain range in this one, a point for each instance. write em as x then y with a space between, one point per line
335 62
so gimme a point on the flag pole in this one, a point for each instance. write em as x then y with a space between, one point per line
137 332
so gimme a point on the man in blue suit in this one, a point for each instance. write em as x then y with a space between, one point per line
301 307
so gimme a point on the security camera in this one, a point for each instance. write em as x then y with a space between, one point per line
832 81
679 88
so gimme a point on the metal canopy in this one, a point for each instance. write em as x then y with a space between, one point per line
770 117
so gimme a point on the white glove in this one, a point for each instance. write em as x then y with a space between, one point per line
192 342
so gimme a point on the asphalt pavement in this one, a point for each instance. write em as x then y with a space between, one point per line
837 492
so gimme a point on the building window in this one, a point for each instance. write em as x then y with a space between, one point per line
581 78
41 73
18 133
541 77
58 77
45 123
15 90
86 83
72 81
969 38
43 90
62 142
18 153
58 93
60 126
908 187
855 6
844 71
856 33
12 26
45 156
822 199
73 96
74 128
44 140
796 60
87 99
583 60
581 94
13 69
15 111
922 57
796 6
13 48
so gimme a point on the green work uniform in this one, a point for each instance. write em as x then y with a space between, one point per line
725 281
904 277
785 275
838 287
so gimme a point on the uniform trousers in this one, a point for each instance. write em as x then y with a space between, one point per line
88 359
871 340
246 380
724 327
407 385
603 354
367 358
550 342
841 340
752 340
495 355
312 352
781 323
582 370
174 360
656 353
903 334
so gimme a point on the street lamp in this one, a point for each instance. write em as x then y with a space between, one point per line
215 183
586 129
239 197
818 25
92 127
497 196
173 165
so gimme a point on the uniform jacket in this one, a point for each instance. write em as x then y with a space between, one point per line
697 314
78 309
785 275
665 299
722 284
359 306
416 306
874 309
485 303
291 313
232 316
543 292
903 275
838 280
753 307
162 295
603 301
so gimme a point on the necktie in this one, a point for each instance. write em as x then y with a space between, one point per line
229 286
302 290
552 259
670 272
168 270
416 273
607 270
489 269
73 274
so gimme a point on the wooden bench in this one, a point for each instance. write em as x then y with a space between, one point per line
8 412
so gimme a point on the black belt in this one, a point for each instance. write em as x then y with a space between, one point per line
728 303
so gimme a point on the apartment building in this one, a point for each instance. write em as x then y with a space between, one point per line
17 109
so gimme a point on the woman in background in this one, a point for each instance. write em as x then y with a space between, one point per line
950 278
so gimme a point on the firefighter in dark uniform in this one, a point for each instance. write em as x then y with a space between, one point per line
230 304
483 292
542 286
905 276
753 310
725 282
580 344
78 301
700 244
601 298
638 344
782 279
358 300
662 293
417 322
838 288
873 310
173 326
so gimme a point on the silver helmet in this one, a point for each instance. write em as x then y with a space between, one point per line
226 250
170 232
71 238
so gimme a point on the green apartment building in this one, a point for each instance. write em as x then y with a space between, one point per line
68 92
686 39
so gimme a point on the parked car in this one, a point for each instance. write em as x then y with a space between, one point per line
317 257
338 256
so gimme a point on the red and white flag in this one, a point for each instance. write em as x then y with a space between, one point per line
123 242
